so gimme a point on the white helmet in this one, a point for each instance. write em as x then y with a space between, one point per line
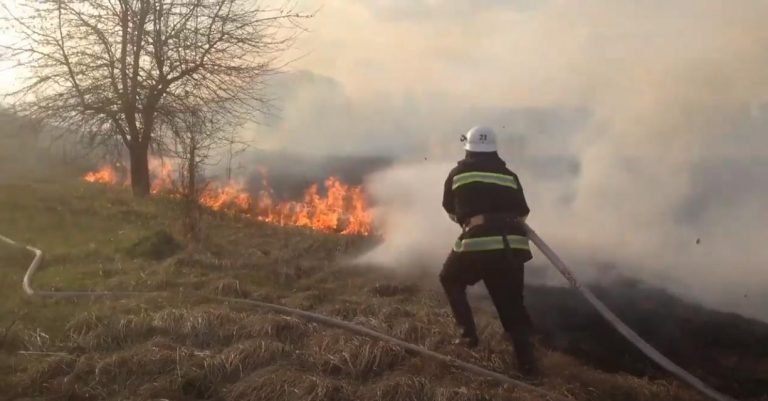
480 139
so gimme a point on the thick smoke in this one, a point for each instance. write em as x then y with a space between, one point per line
673 179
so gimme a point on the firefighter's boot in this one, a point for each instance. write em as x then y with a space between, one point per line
526 359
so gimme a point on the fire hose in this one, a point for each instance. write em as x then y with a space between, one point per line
309 316
622 328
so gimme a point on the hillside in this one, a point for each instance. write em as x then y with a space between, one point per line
179 346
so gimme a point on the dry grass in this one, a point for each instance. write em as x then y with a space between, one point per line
311 299
213 353
92 334
247 356
229 288
200 328
420 333
148 363
204 327
400 388
285 329
283 384
157 367
462 394
39 374
387 290
343 355
581 382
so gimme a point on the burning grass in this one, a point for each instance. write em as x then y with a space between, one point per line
338 207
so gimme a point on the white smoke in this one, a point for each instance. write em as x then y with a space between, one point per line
675 151
408 198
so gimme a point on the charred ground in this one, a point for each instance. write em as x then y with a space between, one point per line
725 350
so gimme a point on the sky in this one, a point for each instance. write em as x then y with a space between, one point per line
401 75
474 55
7 74
427 49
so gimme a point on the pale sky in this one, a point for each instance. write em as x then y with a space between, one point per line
497 52
515 53
484 53
7 75
423 48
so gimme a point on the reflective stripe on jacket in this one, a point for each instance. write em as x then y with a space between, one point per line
493 243
489 178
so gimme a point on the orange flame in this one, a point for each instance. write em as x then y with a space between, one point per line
104 175
230 197
163 176
342 209
360 218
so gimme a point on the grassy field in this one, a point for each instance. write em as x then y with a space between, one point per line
183 347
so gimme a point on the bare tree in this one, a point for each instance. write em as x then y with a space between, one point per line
191 146
126 67
196 136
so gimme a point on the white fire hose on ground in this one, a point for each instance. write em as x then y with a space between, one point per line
314 317
532 235
622 328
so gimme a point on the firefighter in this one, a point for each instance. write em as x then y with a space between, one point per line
483 196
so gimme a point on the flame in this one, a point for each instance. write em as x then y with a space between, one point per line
360 218
163 176
342 208
230 197
106 174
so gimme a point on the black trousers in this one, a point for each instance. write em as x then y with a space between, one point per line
504 279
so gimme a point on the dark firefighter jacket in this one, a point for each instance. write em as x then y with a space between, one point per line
481 183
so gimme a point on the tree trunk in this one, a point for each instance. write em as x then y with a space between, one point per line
229 163
192 216
139 170
192 172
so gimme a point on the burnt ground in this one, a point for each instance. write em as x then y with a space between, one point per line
725 350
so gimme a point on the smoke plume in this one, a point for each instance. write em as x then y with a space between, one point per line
672 185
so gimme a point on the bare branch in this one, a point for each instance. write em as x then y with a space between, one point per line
139 70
